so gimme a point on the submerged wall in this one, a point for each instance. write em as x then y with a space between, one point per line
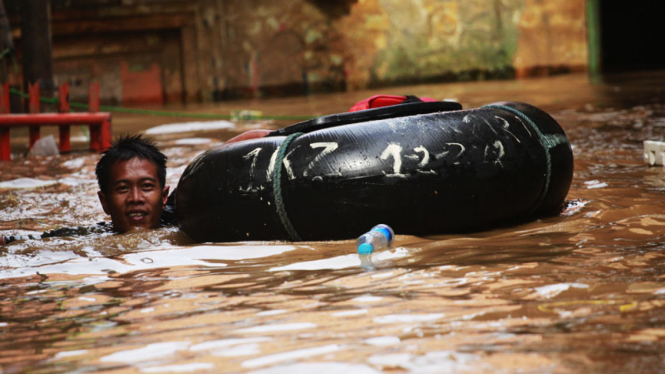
163 51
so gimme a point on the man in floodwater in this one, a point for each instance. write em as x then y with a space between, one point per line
132 181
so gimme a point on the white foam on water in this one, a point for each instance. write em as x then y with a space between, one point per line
367 299
348 313
91 299
45 257
147 353
193 141
339 262
237 252
595 184
290 355
574 207
238 350
88 281
75 163
69 181
29 183
67 262
190 127
26 183
552 290
3 324
318 368
271 312
60 355
431 362
660 291
224 343
383 274
383 341
399 318
279 327
343 262
73 264
185 368
391 360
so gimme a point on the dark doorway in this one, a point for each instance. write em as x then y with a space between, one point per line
631 35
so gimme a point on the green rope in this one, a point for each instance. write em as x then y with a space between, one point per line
547 141
277 187
162 113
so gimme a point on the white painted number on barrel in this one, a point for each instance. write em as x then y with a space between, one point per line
394 150
425 159
287 164
254 155
445 153
271 165
506 127
328 148
498 148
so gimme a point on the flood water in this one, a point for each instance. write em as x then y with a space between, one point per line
583 292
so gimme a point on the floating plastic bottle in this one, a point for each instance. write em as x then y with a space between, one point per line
379 237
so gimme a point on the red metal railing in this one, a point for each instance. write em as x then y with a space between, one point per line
99 123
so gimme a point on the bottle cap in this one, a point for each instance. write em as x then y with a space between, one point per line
365 249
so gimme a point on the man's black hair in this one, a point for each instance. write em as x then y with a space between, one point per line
125 148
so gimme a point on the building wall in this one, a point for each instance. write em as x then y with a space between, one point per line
552 37
165 51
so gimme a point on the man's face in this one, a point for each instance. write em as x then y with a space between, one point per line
134 199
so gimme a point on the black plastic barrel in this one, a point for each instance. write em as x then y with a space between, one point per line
435 173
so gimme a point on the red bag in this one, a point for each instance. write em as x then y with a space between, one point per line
378 101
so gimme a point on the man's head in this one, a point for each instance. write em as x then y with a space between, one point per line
132 177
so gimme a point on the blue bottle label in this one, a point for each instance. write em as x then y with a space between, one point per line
385 232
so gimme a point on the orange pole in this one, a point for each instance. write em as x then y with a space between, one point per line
95 137
53 119
93 97
4 99
106 134
5 154
63 98
63 130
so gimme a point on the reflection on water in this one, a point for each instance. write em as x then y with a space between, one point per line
581 292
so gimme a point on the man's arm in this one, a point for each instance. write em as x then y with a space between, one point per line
12 238
101 227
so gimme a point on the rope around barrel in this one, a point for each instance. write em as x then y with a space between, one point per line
547 141
277 187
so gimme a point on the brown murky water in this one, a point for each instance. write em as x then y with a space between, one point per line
580 293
